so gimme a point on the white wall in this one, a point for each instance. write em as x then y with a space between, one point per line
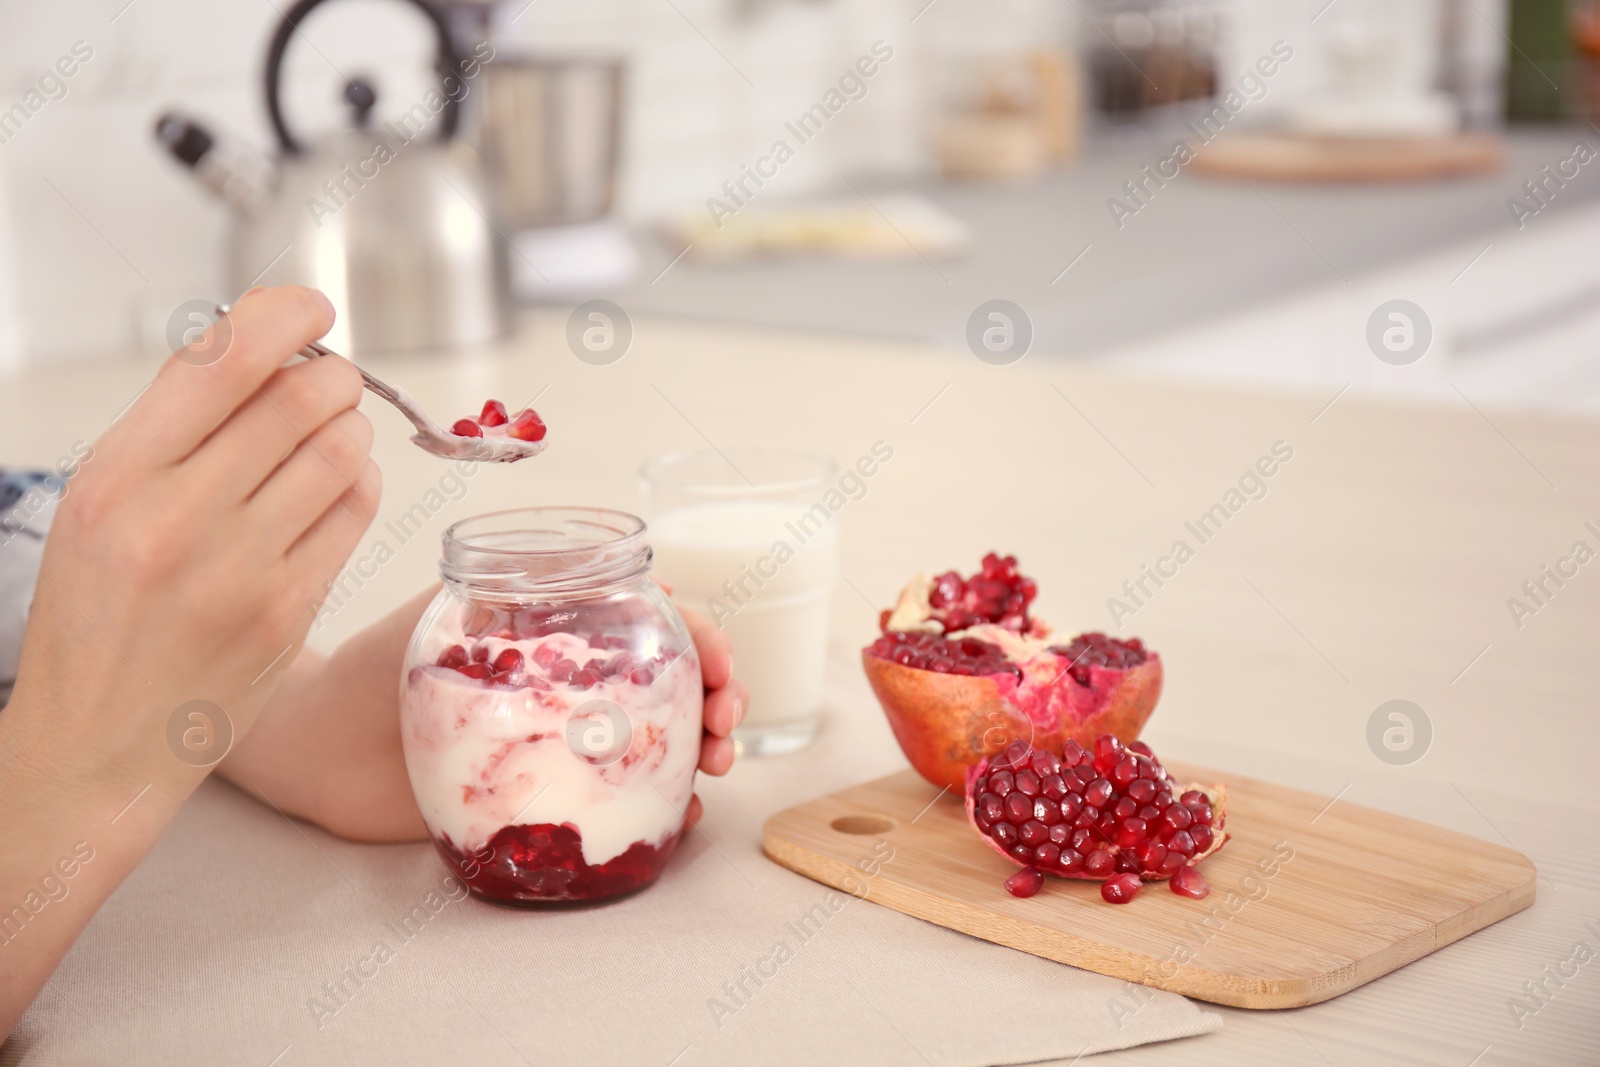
101 235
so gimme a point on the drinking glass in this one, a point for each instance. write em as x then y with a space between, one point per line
746 536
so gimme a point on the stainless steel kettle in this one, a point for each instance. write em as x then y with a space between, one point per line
390 222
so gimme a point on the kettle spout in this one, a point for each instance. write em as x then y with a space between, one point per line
231 170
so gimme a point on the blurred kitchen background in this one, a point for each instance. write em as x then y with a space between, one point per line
941 154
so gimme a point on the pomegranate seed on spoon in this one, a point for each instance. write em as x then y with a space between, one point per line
494 414
527 426
466 428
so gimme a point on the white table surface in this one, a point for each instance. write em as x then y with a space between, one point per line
1378 566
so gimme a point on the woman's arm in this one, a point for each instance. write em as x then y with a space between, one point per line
327 747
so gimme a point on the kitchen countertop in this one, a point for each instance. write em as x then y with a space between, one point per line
1378 565
1203 248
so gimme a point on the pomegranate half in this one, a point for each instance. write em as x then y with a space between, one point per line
962 669
1096 814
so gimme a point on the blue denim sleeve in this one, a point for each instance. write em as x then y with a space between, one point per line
27 504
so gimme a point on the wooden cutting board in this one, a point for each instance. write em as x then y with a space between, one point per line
1307 900
1306 158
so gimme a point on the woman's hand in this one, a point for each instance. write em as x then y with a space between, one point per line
183 565
726 699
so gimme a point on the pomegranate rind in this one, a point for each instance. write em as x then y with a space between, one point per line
946 723
1216 793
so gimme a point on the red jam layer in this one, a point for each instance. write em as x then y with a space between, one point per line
544 864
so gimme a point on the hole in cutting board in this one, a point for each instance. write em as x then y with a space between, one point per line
863 825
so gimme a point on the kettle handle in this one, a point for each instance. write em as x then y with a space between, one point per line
447 61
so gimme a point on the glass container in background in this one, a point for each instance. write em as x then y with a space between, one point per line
746 537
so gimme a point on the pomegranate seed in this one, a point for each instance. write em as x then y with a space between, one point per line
562 670
1005 833
1071 806
1125 772
494 414
1044 763
1142 790
1018 808
1131 832
1054 788
1201 813
1177 816
1027 783
1125 808
1151 854
1061 834
466 428
1192 797
1033 833
1139 746
1099 863
1121 889
453 657
641 676
508 661
587 678
1188 882
480 671
991 808
1071 861
480 654
1097 793
527 426
1181 843
546 654
1000 784
1046 855
1202 837
1046 810
1025 883
1107 752
1071 753
1022 853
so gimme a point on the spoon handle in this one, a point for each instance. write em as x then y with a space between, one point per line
317 349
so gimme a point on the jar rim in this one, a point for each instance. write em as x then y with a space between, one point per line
555 549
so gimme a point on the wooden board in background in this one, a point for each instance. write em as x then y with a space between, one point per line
1364 893
1306 158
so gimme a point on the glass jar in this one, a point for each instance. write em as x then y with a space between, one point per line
550 708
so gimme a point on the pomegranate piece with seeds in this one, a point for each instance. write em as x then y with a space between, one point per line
962 667
1107 813
493 421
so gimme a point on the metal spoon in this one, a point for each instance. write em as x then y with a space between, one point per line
430 437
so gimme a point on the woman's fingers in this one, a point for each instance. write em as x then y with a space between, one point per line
725 708
716 755
200 386
318 472
694 811
716 655
290 406
325 547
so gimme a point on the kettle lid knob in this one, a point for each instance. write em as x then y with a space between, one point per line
361 96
